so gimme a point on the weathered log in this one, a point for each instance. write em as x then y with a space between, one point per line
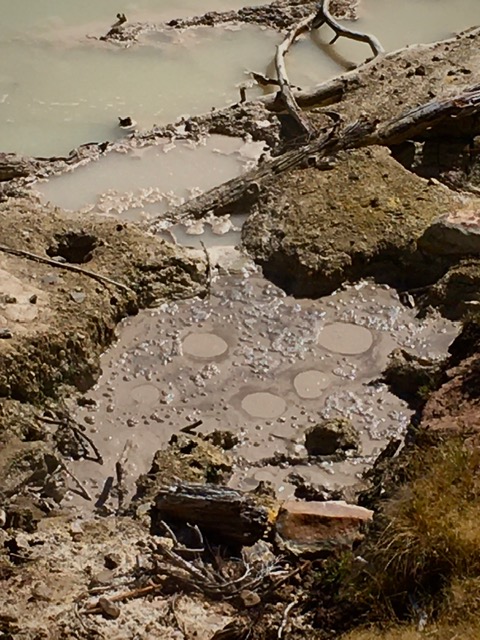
363 132
243 190
333 91
227 515
285 89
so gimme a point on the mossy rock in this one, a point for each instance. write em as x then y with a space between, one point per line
313 229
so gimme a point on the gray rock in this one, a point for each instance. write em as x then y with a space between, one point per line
331 436
457 233
78 296
50 278
5 334
410 377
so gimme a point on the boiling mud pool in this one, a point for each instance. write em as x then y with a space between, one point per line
59 89
57 96
263 365
146 182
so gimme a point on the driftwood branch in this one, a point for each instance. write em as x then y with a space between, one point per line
122 597
323 16
206 578
285 88
62 265
81 489
360 133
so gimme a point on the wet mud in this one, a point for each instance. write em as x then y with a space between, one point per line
265 366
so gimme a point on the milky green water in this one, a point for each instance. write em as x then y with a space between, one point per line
59 89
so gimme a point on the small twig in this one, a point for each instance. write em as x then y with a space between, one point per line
265 81
83 436
323 16
190 428
289 576
208 274
200 540
286 613
83 492
180 625
62 265
121 474
121 597
66 422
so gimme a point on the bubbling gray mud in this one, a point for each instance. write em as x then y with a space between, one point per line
263 365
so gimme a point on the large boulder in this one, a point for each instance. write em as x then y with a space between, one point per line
456 233
313 229
411 377
331 436
457 292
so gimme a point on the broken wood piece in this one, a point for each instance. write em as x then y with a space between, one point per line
285 88
225 514
121 475
116 26
323 16
121 597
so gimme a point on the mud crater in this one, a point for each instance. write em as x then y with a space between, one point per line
263 365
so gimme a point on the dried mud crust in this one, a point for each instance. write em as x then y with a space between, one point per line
313 229
60 321
45 583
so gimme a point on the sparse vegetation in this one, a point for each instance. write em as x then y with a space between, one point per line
423 557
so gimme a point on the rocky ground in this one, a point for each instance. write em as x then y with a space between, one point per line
131 568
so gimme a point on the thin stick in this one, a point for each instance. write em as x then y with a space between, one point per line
208 274
121 474
84 493
288 608
120 597
69 267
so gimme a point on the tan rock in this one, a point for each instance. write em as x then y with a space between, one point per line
310 528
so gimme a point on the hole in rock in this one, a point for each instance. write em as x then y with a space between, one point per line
74 247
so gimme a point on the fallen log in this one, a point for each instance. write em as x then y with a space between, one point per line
334 90
230 516
243 190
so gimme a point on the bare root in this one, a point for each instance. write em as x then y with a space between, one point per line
323 16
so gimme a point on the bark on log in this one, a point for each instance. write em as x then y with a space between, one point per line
244 189
230 516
